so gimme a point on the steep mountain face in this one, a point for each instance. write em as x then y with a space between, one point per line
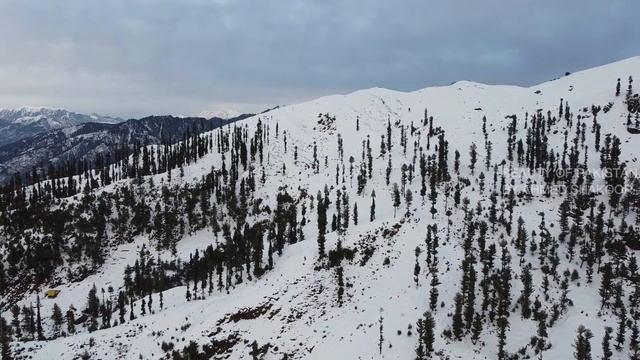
466 221
24 122
84 141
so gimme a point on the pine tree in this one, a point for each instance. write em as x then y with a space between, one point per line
389 135
121 306
420 352
93 303
426 336
618 87
15 321
473 156
606 344
5 339
620 336
408 199
476 329
143 304
71 320
542 334
381 337
633 338
322 225
57 318
131 314
433 293
582 344
388 171
372 211
527 290
39 320
355 214
345 210
606 285
340 280
457 328
395 196
416 268
503 324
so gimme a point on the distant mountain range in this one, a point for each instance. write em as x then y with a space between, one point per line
31 137
16 124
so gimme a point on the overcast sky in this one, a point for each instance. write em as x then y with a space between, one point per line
132 58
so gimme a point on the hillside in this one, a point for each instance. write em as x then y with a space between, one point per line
483 215
86 140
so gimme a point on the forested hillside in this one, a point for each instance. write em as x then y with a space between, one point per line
466 221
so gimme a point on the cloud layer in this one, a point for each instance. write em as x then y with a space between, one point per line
137 57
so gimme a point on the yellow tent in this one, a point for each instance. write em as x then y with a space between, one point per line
51 293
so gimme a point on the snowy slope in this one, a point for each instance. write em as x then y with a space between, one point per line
296 308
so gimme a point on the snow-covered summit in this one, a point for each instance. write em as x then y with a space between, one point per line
16 124
221 114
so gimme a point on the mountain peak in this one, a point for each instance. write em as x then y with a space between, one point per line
222 114
25 121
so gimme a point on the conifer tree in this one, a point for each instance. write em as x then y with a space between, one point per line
582 344
408 199
457 328
476 328
5 339
416 268
388 171
503 324
71 320
57 318
372 211
473 156
426 336
355 214
542 334
322 224
527 290
389 135
433 293
340 280
395 196
28 321
131 314
381 329
15 322
622 329
618 87
633 338
606 344
39 320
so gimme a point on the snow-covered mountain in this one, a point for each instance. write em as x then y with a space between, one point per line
82 142
222 114
467 221
16 124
